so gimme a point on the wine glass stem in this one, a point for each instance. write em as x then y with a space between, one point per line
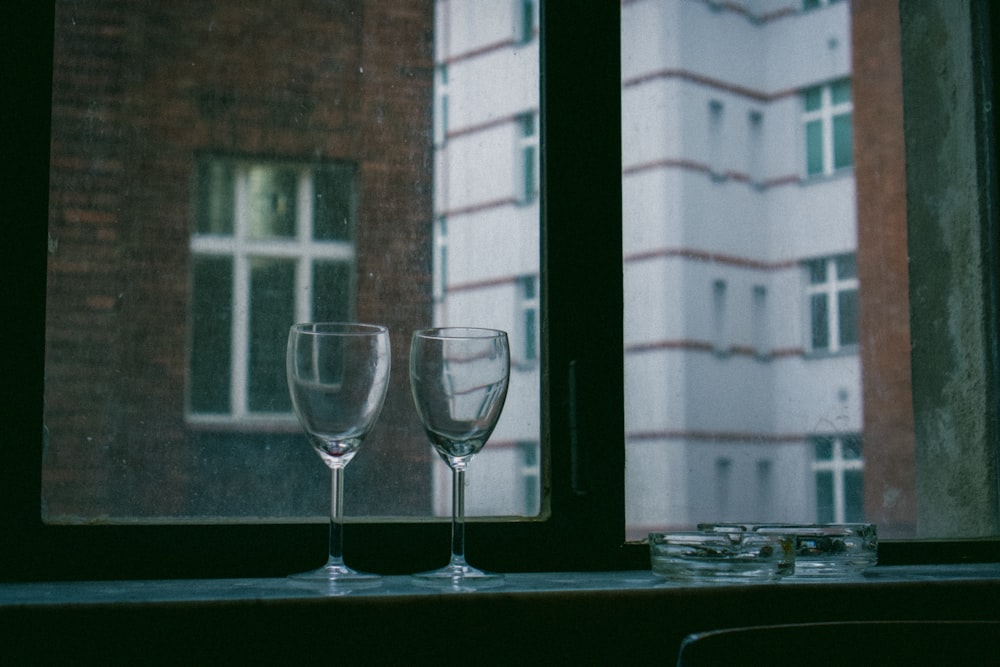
337 516
458 515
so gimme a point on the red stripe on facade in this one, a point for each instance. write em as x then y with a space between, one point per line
483 206
691 165
711 257
745 437
717 84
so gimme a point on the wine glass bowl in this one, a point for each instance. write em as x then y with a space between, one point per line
459 378
338 374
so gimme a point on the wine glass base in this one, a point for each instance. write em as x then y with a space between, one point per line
459 576
336 577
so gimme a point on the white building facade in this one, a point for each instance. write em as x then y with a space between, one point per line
743 384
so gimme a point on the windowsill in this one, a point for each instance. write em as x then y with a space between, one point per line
643 582
558 614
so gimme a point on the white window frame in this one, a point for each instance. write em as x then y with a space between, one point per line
527 148
832 287
242 249
825 114
441 105
528 304
838 464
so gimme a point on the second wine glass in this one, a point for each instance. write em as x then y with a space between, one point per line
459 379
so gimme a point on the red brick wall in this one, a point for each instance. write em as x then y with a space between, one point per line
880 174
139 90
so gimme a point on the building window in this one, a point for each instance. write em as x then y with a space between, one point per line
832 303
526 16
759 321
719 334
441 105
272 245
527 318
827 120
527 147
839 471
715 139
808 5
754 164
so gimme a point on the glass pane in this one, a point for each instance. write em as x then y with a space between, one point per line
272 308
842 141
847 267
825 507
271 201
817 271
334 203
211 334
813 98
819 322
216 190
840 91
852 448
796 242
847 303
277 189
854 496
824 449
814 147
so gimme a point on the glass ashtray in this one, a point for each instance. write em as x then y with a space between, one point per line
721 556
831 550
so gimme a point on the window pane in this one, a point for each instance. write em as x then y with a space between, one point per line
847 267
820 322
333 204
842 150
271 201
814 147
304 184
854 496
272 308
825 508
216 189
211 334
824 449
817 271
852 448
798 242
840 91
847 303
813 98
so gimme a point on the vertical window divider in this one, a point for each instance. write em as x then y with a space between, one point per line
303 235
241 300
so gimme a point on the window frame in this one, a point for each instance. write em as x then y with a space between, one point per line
826 115
301 248
831 288
586 499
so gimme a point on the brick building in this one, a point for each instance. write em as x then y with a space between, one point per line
219 171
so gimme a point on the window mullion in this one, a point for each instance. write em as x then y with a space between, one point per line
241 301
303 234
833 305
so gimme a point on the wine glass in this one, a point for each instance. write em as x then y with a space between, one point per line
459 378
338 374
